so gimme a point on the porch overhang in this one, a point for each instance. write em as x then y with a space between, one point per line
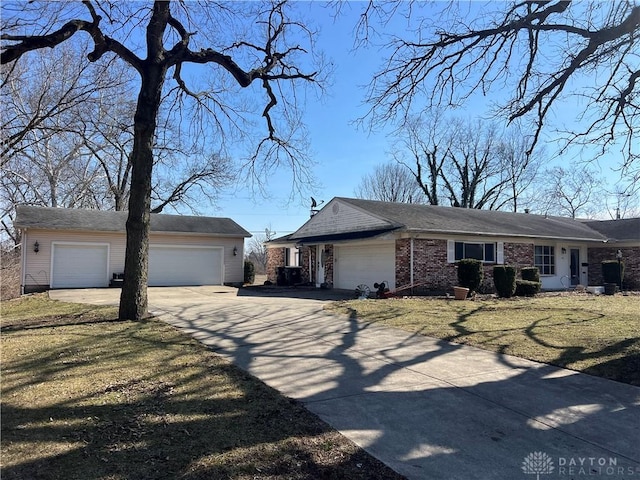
336 237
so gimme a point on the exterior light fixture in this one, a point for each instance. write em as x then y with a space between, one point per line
235 251
36 247
564 250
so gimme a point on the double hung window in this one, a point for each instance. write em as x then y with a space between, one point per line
485 252
545 259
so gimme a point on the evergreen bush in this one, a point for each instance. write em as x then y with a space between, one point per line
530 273
249 272
504 278
527 288
470 274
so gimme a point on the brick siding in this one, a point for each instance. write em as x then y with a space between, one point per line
436 275
518 255
630 257
430 267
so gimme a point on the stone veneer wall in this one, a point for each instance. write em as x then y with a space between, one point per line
275 259
328 265
630 257
306 264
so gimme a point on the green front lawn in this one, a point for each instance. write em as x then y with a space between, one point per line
599 335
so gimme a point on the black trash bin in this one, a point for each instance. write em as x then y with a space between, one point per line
281 276
294 275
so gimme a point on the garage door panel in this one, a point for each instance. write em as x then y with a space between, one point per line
175 266
366 264
80 266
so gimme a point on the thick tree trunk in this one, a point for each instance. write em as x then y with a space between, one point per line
133 299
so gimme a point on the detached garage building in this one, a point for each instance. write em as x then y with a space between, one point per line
69 248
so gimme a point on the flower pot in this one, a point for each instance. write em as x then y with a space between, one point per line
610 288
460 293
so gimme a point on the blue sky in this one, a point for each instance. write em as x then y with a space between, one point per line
342 151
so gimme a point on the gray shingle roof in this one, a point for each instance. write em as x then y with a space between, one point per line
625 229
110 221
450 220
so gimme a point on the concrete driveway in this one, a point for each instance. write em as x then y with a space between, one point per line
427 408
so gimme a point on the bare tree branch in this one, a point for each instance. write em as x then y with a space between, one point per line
160 25
509 49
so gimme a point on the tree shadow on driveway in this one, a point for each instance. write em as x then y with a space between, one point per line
426 407
137 400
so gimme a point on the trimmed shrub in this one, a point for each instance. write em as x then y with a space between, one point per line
610 272
249 272
527 288
530 273
470 274
504 278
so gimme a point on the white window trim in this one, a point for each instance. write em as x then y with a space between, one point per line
293 253
451 250
555 259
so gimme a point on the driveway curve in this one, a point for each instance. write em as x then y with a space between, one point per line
429 409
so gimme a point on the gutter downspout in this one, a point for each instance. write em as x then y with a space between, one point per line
411 266
23 260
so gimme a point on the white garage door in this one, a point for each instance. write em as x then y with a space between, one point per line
179 265
366 264
80 266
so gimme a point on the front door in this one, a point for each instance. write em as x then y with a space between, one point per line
320 259
575 267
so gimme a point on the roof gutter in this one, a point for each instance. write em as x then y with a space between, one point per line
163 232
517 235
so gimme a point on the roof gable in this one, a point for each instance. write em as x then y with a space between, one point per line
340 217
111 221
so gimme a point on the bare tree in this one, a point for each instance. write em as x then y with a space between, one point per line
536 53
107 134
390 182
574 191
78 156
184 173
47 88
472 175
519 169
170 36
43 159
464 163
257 250
185 183
419 148
623 202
